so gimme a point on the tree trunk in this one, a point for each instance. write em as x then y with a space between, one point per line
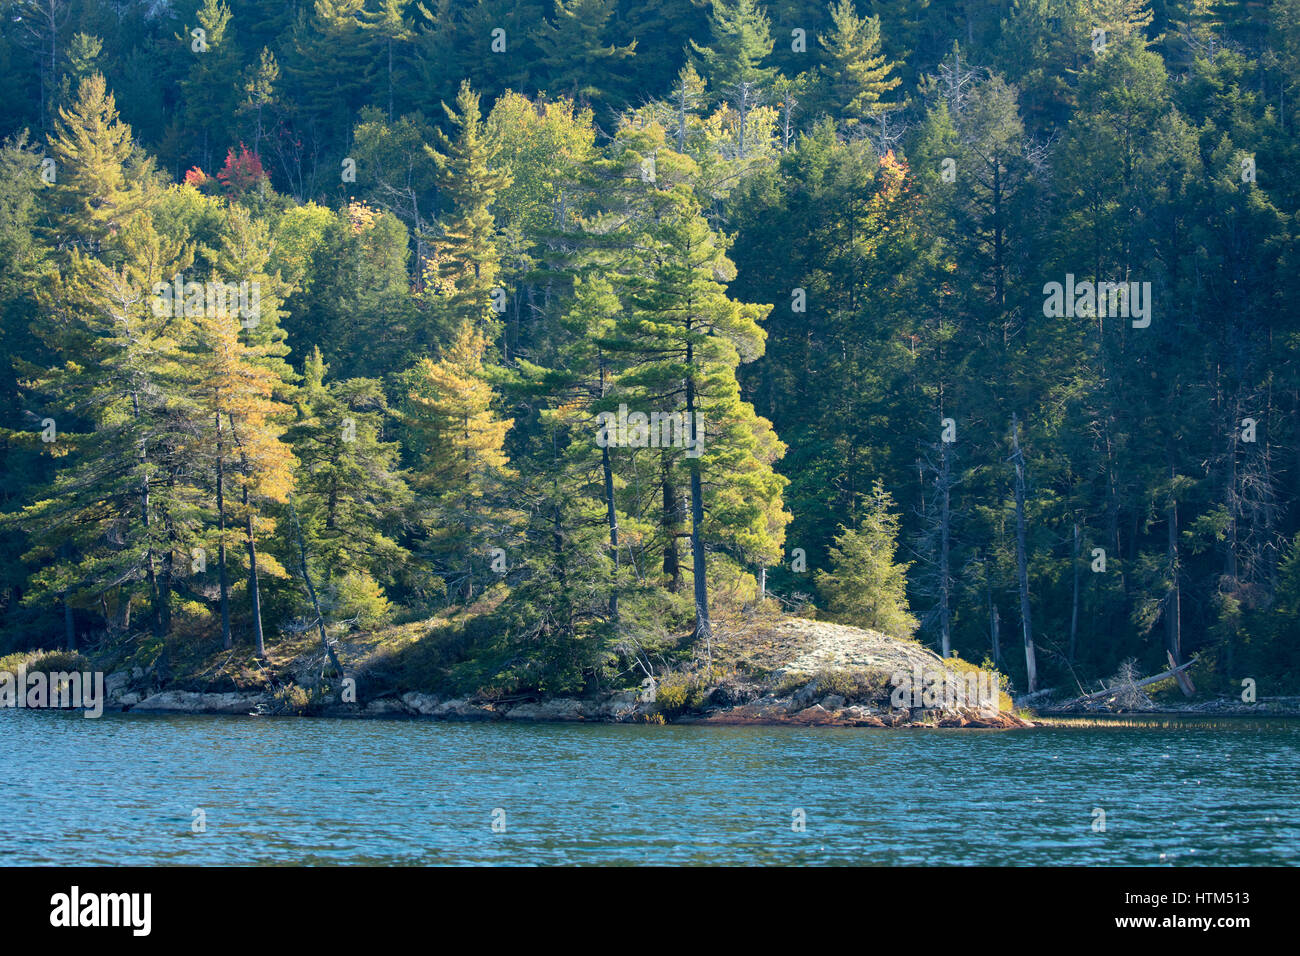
69 626
150 572
254 589
612 515
311 592
945 615
1022 565
703 628
1074 605
1173 610
672 527
226 641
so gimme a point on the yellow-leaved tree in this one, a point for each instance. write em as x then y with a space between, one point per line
459 438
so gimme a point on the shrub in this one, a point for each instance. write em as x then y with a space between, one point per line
292 699
60 661
853 685
358 596
680 691
866 586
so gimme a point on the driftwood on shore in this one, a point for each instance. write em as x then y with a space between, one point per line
1174 672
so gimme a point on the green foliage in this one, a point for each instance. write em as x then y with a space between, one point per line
866 586
827 246
357 596
680 691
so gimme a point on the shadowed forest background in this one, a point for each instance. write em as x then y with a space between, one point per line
472 227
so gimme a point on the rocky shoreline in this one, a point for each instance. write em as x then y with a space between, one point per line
782 671
798 709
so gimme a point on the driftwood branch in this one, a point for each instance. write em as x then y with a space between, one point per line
1172 672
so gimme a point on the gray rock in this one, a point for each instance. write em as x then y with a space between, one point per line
386 707
804 696
423 704
624 705
857 712
115 686
464 710
815 714
832 701
560 708
190 702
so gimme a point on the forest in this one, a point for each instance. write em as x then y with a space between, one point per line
590 324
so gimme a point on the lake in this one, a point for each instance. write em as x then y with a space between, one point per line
124 789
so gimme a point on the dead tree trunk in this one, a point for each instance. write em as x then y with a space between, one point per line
1022 562
1074 605
328 648
1173 609
945 516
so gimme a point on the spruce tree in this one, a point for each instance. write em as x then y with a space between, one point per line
458 437
464 267
866 585
857 73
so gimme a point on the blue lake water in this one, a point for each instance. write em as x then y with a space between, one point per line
123 790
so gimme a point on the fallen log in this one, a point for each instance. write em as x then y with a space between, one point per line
1184 680
1027 700
1174 672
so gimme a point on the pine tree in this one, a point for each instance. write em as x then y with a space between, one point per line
866 585
580 60
578 384
243 452
351 494
458 438
263 461
741 40
260 92
683 339
390 25
100 183
121 509
210 94
857 73
465 267
330 62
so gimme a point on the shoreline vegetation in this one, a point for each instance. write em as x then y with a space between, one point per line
767 669
373 358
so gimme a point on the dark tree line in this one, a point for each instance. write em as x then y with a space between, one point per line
976 319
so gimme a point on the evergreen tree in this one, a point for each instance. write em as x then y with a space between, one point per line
741 41
390 24
683 338
867 586
857 73
351 493
210 93
100 181
464 268
578 53
458 437
120 511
